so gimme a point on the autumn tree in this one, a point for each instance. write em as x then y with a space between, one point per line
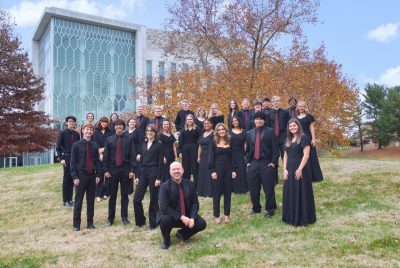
23 129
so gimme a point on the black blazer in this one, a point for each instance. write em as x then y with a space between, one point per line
269 145
169 200
152 157
144 121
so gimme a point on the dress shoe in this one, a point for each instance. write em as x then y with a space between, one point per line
252 212
166 243
91 226
180 237
110 223
76 229
68 205
125 221
269 214
71 203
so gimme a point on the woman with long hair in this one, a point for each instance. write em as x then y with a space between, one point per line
307 122
113 118
215 115
100 135
298 208
233 111
200 117
238 143
188 148
169 150
151 164
204 184
223 169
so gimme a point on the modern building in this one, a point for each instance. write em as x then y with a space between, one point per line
87 63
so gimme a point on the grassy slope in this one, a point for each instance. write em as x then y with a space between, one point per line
358 210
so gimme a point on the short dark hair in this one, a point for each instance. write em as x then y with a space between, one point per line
119 122
257 103
260 115
292 98
266 99
70 117
89 113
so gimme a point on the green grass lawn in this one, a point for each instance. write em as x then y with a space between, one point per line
358 224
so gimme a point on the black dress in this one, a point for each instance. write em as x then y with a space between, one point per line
298 206
168 151
188 148
199 123
237 144
204 183
313 160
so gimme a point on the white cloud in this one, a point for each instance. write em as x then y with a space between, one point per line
384 33
27 12
390 77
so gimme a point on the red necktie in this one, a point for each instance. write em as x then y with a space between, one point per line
138 121
181 200
293 115
72 138
276 123
257 146
156 123
89 161
118 157
246 118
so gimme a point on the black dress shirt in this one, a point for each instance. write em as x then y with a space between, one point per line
64 146
283 117
128 152
159 120
100 138
268 142
141 123
78 158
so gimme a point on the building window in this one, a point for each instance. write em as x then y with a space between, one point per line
173 66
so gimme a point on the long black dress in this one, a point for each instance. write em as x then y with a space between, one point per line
188 148
313 161
204 183
298 206
168 151
237 143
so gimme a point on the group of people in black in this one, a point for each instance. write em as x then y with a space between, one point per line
238 157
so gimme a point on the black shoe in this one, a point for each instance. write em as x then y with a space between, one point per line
76 229
68 205
269 214
166 243
110 223
91 226
252 212
180 237
71 203
125 221
152 228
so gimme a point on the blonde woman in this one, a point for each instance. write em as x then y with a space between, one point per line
215 115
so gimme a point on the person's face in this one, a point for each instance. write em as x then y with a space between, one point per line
87 132
132 123
257 107
139 110
176 171
90 117
158 112
189 120
221 131
185 106
259 122
114 117
232 104
235 122
276 103
292 103
202 112
165 125
150 134
301 108
119 129
245 104
214 109
70 124
293 128
104 124
207 125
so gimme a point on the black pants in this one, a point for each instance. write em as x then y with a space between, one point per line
260 173
102 187
119 175
87 184
189 161
222 185
167 223
148 177
68 183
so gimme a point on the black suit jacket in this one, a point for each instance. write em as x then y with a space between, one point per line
169 200
268 142
160 121
142 124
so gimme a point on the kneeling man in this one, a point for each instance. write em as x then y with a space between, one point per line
179 207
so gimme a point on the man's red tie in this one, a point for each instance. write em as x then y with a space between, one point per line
246 119
72 138
257 146
182 200
138 121
277 130
156 123
89 161
118 157
293 115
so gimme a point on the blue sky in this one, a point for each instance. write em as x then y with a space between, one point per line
362 35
